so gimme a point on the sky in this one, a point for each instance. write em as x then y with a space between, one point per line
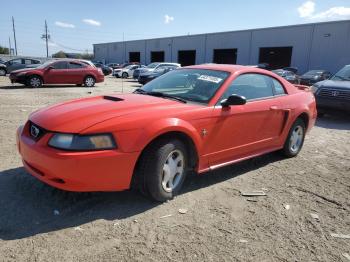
75 25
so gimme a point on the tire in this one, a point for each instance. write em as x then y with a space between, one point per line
162 169
125 75
89 81
295 139
34 81
2 72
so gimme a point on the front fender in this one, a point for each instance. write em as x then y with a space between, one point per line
136 140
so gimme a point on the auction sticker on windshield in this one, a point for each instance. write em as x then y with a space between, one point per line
210 79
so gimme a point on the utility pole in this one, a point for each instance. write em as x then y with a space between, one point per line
9 46
47 43
14 34
46 37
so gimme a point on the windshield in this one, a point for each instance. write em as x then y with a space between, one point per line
153 65
197 85
343 74
313 73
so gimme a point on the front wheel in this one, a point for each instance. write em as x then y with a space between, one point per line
35 81
2 72
89 81
163 169
125 75
295 139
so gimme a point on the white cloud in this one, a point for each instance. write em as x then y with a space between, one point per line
63 24
307 10
334 12
168 19
92 22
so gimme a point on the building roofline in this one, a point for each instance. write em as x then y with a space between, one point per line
225 32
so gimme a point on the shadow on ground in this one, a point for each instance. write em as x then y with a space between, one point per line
336 120
27 206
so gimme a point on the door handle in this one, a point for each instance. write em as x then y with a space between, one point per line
274 108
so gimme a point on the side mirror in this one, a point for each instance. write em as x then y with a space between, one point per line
233 100
49 68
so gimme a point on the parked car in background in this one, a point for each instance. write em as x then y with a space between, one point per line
288 75
63 71
333 94
113 65
190 120
313 76
3 69
127 71
151 67
20 63
291 69
126 64
105 69
146 77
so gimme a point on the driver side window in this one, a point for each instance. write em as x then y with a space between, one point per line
60 65
251 86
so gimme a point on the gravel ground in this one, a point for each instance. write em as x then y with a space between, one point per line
39 223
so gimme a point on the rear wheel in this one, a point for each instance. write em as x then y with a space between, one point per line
163 169
89 81
295 139
35 81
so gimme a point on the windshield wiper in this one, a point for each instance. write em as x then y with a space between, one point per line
160 94
139 91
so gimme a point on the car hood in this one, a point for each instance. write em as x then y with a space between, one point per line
77 115
21 70
334 84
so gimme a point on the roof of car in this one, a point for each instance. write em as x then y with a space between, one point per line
223 67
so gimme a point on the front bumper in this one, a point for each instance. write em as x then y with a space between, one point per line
332 104
108 170
18 79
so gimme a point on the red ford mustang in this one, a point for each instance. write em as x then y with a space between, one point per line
196 118
64 71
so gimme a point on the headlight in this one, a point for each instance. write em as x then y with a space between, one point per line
21 73
82 142
314 88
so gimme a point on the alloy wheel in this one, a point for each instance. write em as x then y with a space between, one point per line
296 139
173 170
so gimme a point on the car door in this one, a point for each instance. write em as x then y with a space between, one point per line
75 73
245 130
56 73
14 64
132 69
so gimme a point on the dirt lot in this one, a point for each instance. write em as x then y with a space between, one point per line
39 223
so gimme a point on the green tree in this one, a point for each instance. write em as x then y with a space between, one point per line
59 54
4 50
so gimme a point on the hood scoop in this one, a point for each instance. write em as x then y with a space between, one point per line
113 98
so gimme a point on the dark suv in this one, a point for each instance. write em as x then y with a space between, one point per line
333 94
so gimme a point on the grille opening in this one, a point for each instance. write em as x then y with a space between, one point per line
113 98
58 180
